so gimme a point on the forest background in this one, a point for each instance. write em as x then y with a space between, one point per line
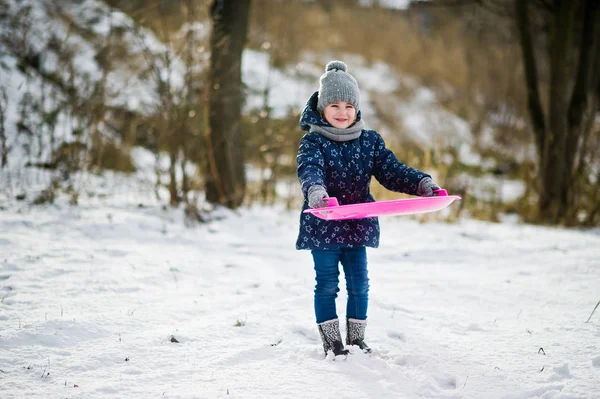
498 99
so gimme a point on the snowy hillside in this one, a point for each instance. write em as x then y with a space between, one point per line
82 27
423 118
92 296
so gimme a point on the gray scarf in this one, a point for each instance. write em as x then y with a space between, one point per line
336 134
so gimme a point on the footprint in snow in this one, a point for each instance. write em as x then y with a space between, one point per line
397 335
561 372
309 334
10 267
409 360
596 362
445 381
475 327
116 253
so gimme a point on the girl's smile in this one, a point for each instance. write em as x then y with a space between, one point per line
340 114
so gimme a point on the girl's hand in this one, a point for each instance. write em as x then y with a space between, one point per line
427 187
316 194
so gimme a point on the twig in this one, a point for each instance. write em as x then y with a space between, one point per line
542 350
45 368
595 307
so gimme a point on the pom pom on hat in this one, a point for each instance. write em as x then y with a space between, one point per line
337 85
338 65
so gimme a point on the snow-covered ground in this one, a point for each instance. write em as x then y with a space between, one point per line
91 296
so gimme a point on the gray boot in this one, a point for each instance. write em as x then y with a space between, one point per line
331 337
355 334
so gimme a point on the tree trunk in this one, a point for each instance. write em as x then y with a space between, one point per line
555 187
185 180
583 103
534 104
226 181
3 146
558 137
173 192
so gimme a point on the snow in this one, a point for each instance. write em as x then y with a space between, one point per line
91 296
286 90
392 4
124 86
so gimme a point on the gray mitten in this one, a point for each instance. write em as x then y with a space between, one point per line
427 187
316 194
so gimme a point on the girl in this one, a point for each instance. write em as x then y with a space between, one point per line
337 157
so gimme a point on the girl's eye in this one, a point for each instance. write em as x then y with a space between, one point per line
349 107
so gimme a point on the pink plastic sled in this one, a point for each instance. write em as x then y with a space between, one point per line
335 211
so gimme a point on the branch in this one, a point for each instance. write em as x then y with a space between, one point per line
596 307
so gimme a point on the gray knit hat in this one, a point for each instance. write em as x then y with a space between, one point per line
337 85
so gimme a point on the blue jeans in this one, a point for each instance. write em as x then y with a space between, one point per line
354 262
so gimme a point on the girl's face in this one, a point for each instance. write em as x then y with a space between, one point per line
340 114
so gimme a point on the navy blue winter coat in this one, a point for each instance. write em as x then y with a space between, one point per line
345 170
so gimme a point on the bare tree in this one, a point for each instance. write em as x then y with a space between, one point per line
561 135
167 117
226 181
